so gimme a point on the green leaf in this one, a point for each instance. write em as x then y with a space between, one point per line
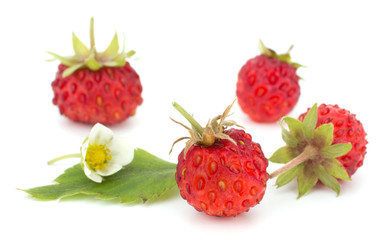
79 47
289 175
282 155
325 134
295 126
146 177
327 179
113 48
288 138
336 169
336 150
309 122
306 180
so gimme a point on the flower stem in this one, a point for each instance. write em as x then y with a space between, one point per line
74 155
188 117
308 153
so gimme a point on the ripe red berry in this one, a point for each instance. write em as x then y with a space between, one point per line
346 129
268 86
224 177
326 144
94 87
109 95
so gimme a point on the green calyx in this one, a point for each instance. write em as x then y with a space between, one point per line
208 135
309 154
285 57
89 58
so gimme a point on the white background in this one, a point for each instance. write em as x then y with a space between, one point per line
191 52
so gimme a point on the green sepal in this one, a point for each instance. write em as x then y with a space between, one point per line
336 169
79 47
284 57
115 64
68 71
309 122
119 60
288 138
324 134
130 53
264 50
336 150
289 175
297 65
90 58
68 61
327 179
295 126
282 155
91 61
146 177
306 180
113 47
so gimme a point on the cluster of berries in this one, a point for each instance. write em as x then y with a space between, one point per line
222 171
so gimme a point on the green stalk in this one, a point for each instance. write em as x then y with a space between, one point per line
74 155
92 34
308 153
188 117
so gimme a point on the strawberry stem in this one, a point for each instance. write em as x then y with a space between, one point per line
92 34
308 153
188 117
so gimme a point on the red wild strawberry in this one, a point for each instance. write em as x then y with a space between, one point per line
346 129
94 87
221 171
268 86
326 144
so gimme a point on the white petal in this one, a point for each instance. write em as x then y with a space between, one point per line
91 174
122 151
95 177
100 134
84 149
109 170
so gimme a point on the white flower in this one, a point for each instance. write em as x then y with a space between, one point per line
102 154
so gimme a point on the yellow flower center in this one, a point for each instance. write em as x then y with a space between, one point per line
97 156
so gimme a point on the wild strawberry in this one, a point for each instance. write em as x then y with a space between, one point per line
221 171
96 87
326 144
346 129
268 86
